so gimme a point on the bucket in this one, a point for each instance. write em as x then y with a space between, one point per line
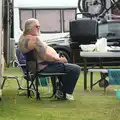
117 92
43 81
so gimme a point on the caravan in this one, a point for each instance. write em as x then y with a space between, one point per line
54 17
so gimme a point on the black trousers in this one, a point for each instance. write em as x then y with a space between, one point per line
71 77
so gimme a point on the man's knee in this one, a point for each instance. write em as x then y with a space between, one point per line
77 68
73 68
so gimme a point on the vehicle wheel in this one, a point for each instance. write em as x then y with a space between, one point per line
118 5
94 7
65 54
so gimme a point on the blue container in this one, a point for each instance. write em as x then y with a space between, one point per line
117 93
44 81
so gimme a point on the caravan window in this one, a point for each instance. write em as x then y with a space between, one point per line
68 15
49 20
24 15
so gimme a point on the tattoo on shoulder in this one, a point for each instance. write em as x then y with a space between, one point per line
39 43
26 42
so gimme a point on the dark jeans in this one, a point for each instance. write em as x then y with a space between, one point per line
72 74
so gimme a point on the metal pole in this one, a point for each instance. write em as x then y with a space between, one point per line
1 45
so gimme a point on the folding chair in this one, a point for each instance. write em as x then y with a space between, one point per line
31 59
21 61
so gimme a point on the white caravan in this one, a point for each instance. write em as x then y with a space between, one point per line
54 17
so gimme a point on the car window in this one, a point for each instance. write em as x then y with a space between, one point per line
51 20
109 30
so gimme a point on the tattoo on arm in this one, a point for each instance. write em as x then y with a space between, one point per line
26 42
40 47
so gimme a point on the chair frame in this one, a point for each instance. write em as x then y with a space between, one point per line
30 56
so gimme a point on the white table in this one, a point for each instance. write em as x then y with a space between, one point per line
100 54
86 55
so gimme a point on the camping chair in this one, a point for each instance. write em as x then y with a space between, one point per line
31 59
21 61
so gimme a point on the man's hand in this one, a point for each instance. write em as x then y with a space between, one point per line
63 59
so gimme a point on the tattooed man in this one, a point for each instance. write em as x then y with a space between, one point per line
48 59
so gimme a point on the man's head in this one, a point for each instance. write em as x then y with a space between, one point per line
32 26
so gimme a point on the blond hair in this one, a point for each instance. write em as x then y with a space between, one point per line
28 25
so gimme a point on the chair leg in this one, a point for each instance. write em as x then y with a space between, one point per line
53 80
5 78
28 91
37 92
91 80
27 81
19 86
29 85
33 86
32 83
48 84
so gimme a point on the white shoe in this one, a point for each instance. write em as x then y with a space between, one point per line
69 97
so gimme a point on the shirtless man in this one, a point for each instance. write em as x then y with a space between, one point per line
30 39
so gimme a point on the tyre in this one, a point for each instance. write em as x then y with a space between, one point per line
65 54
94 7
118 4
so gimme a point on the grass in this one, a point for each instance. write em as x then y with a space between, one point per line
87 105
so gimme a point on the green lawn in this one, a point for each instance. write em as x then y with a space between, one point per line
87 105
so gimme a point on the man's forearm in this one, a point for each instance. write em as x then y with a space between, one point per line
49 57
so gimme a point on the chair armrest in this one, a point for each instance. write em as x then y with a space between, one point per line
50 74
21 65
